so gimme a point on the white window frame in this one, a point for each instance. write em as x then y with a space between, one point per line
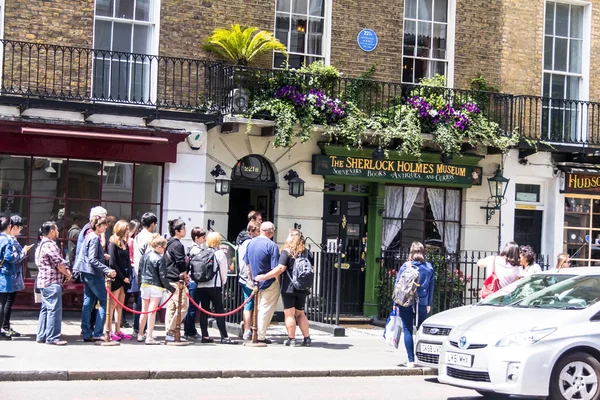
584 87
450 44
326 44
154 42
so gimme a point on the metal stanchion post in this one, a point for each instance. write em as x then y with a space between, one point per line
255 342
178 341
338 285
107 318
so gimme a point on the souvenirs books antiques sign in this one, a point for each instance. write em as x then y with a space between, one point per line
395 170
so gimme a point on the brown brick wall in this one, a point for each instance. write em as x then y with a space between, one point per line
478 45
385 18
185 24
60 22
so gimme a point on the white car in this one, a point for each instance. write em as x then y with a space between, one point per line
436 328
547 345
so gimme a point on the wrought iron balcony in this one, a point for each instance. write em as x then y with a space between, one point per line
92 79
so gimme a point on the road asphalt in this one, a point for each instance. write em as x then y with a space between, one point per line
362 352
365 388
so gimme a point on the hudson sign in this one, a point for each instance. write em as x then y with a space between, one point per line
578 183
396 170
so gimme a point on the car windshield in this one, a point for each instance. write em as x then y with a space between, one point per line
573 294
522 288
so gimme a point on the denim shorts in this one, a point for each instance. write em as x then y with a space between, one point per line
247 292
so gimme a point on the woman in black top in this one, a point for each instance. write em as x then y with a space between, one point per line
119 261
293 300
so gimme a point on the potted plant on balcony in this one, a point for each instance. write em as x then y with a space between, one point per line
240 46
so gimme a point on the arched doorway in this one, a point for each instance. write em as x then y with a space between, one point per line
252 188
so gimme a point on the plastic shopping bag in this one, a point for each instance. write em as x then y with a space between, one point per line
393 328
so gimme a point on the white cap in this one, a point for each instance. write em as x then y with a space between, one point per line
98 212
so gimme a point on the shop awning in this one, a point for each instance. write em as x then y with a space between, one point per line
86 141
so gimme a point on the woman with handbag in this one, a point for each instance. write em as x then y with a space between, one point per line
501 270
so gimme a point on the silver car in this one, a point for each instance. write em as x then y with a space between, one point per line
547 345
436 328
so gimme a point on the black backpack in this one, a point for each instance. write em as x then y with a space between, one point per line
302 275
202 265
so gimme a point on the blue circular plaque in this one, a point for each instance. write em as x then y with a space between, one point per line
367 40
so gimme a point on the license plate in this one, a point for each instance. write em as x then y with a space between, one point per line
428 348
464 360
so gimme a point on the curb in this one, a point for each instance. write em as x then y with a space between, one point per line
28 376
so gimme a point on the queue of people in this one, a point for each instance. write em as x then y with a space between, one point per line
146 267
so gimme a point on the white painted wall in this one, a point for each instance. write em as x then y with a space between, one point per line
227 149
538 171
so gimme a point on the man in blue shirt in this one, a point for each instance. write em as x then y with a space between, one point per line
262 256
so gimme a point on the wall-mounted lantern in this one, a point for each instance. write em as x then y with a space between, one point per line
497 185
222 181
296 185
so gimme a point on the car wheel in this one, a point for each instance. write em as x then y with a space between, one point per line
575 376
492 395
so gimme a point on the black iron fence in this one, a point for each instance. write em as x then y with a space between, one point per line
458 279
320 303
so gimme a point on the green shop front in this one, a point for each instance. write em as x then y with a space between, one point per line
377 207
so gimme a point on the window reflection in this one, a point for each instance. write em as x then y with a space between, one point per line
84 179
117 182
48 177
148 179
14 175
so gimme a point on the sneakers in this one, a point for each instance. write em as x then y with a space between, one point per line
126 325
265 341
98 338
4 336
114 337
247 335
207 340
151 341
193 337
123 336
290 342
12 333
410 364
58 343
307 342
141 338
171 338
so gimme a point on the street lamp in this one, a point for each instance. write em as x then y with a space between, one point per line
222 181
497 185
296 185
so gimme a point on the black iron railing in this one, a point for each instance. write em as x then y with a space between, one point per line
75 74
53 72
458 279
320 303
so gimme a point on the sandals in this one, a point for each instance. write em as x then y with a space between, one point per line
228 341
151 341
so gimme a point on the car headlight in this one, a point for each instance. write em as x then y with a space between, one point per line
530 336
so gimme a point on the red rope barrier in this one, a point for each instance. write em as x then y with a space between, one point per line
112 296
219 315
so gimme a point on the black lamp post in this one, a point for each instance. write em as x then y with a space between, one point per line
296 184
222 181
497 185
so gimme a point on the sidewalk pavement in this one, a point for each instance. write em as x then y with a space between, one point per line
362 352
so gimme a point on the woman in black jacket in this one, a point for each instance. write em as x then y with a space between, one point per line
119 261
153 284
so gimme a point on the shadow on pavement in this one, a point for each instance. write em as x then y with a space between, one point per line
331 346
4 356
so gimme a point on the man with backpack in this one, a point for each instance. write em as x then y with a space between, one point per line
295 267
413 294
199 238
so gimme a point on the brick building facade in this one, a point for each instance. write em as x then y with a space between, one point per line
142 105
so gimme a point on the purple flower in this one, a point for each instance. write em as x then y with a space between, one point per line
421 105
471 107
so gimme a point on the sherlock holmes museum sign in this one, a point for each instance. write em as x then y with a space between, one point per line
396 170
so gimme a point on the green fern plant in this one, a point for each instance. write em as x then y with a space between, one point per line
241 45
